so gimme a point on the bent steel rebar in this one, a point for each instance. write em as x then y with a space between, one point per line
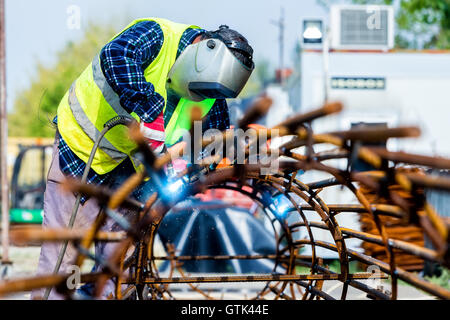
389 199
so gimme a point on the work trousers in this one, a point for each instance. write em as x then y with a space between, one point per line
58 206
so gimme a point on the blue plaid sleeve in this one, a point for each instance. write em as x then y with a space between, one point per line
124 60
218 117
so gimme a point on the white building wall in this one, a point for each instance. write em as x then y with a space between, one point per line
417 93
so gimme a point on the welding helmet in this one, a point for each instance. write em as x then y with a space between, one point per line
217 67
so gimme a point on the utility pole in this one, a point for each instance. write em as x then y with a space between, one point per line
4 139
282 26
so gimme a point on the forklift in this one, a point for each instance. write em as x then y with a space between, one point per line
28 184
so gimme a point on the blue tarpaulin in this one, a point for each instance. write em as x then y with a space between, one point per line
225 231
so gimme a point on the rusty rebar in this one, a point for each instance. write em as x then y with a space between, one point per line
390 192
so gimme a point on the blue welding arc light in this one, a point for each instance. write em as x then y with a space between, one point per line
175 187
282 206
172 190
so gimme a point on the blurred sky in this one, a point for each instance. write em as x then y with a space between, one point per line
36 30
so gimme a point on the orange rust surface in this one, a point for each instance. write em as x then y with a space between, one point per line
396 229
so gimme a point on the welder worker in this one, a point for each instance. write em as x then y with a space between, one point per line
153 71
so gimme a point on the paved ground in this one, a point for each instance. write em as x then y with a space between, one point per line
26 260
248 291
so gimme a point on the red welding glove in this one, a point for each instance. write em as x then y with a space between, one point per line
154 133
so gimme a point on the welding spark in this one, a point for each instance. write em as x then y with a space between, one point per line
282 206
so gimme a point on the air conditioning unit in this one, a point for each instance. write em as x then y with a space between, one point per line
362 27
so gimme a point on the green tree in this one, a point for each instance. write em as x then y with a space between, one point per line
35 106
263 74
428 17
421 23
264 71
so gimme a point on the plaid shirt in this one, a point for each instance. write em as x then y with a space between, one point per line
123 62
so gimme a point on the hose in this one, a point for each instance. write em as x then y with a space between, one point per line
119 120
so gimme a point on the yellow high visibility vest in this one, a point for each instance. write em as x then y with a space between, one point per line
90 103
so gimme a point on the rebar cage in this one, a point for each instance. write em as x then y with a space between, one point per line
392 193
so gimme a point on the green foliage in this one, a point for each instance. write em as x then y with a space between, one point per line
334 266
262 74
443 280
35 106
264 71
430 17
424 20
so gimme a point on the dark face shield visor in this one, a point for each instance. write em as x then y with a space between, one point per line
208 70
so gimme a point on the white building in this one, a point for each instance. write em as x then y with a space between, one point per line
400 88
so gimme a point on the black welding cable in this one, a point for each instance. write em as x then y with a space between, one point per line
120 120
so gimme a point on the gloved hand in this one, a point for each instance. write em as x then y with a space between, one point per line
154 133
